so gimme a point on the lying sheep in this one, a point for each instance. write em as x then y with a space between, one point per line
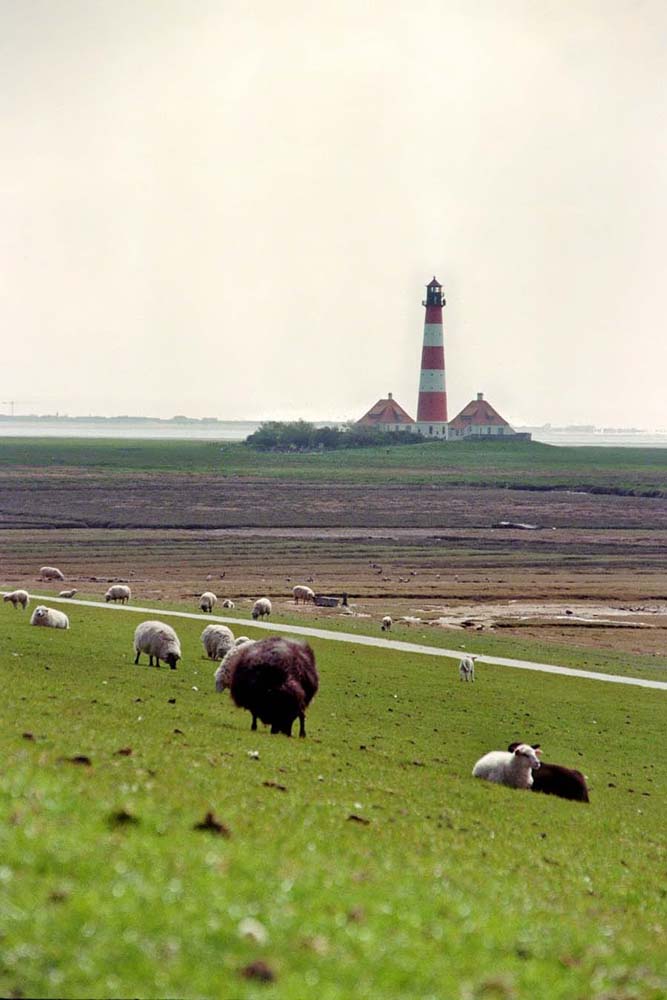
303 594
261 607
223 670
386 623
513 769
157 640
119 592
555 779
17 597
227 603
217 640
467 667
49 617
208 601
68 593
275 680
50 573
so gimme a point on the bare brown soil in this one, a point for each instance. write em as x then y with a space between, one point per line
429 554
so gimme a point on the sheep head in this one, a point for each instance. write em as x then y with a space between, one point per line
525 750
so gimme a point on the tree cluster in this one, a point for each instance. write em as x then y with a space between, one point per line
299 435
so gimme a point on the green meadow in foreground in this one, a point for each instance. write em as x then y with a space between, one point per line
363 861
510 463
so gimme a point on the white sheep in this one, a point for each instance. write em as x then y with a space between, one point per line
119 592
49 617
17 597
223 671
157 640
386 623
261 607
68 593
467 667
303 594
207 601
227 603
241 639
504 768
217 640
50 573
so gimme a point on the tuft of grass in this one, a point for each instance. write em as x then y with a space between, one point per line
443 887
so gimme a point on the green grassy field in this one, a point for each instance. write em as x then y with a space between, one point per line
442 887
643 470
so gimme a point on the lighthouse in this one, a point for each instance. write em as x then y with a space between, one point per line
432 406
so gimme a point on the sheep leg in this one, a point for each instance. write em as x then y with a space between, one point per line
254 724
302 725
136 659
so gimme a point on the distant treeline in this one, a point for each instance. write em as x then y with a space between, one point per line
123 419
299 435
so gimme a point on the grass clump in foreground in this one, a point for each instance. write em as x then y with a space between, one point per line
442 886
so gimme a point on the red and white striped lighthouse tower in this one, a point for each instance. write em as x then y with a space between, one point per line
432 406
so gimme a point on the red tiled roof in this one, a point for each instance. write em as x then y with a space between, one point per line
478 413
386 411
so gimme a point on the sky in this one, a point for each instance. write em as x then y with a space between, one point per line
232 208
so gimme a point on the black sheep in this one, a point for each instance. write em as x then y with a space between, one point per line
275 679
555 779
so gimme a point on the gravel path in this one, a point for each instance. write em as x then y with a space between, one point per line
361 640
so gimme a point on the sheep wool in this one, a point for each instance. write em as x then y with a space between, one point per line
223 671
51 573
207 601
261 607
119 592
158 641
556 779
227 603
68 593
386 623
505 768
217 641
17 597
49 617
303 594
467 668
275 680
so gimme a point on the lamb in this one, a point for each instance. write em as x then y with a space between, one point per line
17 597
467 667
207 601
303 594
68 593
555 779
157 640
275 680
223 671
217 640
261 607
386 623
227 603
49 617
504 768
50 573
119 592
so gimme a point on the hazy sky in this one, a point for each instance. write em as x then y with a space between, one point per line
231 208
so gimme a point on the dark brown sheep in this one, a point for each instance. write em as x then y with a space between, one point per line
555 779
275 679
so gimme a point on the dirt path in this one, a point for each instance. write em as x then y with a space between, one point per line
364 640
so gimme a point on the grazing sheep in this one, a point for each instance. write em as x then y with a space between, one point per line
223 670
386 623
555 779
513 769
157 640
50 573
217 640
119 592
49 617
68 593
467 667
227 603
303 594
275 680
207 601
17 597
261 607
